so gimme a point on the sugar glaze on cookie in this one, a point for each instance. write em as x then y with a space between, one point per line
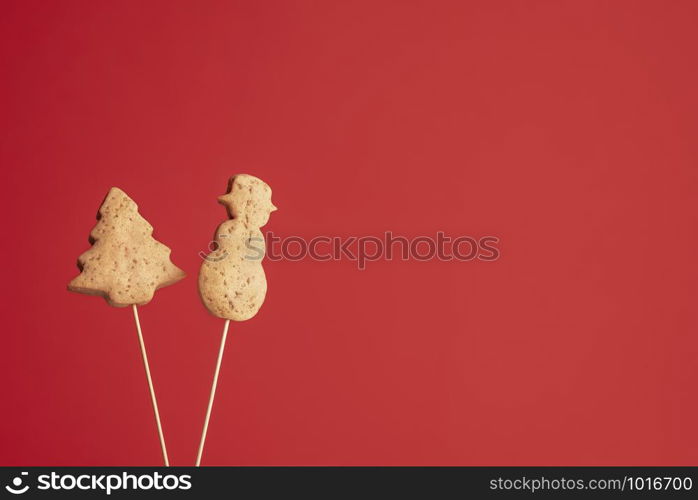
232 284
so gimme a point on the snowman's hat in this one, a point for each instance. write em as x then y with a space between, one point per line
225 199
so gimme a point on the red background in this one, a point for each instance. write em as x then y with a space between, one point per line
567 129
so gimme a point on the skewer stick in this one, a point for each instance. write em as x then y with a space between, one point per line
213 393
150 386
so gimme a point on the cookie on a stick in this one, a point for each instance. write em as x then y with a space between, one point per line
232 284
125 266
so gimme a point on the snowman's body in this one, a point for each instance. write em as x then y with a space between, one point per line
232 283
233 276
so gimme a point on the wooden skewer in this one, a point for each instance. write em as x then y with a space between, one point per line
150 386
213 392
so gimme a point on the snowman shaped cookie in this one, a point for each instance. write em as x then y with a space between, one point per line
232 284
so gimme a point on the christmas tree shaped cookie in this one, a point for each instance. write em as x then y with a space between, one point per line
125 264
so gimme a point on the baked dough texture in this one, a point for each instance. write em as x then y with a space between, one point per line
125 264
232 284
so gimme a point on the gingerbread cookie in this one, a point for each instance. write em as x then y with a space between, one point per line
125 264
232 284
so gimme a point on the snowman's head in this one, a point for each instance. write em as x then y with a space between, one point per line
248 198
